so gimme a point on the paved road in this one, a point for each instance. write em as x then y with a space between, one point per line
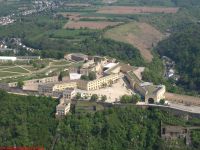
177 106
193 109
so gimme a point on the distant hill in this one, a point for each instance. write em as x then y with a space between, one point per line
183 46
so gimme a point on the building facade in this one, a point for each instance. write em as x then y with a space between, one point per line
55 89
7 58
102 82
148 91
62 86
69 94
62 109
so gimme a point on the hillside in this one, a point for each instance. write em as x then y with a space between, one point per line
183 46
26 121
29 121
141 35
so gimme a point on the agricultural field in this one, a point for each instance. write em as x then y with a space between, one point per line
90 24
136 10
79 16
141 35
70 34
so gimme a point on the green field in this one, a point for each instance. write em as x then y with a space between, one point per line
4 67
6 71
30 68
62 62
6 74
71 34
15 69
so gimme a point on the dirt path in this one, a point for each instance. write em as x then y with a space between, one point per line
24 68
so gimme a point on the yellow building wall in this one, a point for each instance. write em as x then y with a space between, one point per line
98 83
63 86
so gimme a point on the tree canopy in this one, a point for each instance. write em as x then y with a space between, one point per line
30 121
183 46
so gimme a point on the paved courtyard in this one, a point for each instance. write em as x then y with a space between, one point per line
114 92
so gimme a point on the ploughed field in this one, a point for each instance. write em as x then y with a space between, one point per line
90 24
141 35
136 10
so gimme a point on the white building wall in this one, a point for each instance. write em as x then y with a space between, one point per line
7 58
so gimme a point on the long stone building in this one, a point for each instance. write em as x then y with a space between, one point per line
32 85
55 89
149 92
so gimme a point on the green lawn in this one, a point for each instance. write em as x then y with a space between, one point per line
4 67
62 62
71 34
16 69
5 74
31 68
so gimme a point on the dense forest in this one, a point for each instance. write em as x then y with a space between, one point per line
30 121
93 46
26 121
183 46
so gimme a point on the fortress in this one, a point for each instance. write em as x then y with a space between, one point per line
106 72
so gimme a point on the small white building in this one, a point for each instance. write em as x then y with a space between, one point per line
171 73
74 76
7 58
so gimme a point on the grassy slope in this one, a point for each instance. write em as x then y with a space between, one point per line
140 35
